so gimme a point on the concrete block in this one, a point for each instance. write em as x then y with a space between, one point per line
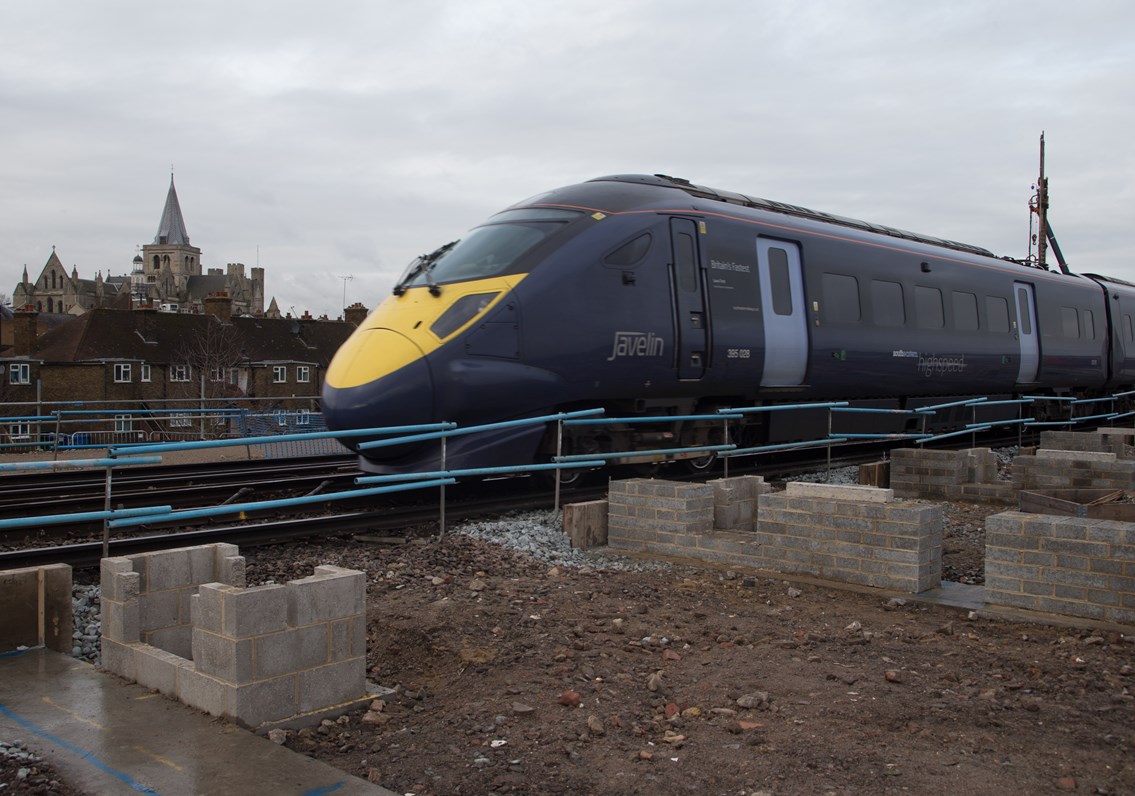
265 701
118 580
229 565
207 607
223 658
586 524
202 691
118 657
292 650
331 593
158 669
159 609
255 611
332 684
120 621
1075 456
870 494
168 569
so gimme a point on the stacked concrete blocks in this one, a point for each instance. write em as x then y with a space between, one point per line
35 608
847 533
735 502
1074 566
851 534
645 512
1103 440
1055 469
181 622
948 475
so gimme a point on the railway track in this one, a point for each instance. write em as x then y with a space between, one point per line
395 515
73 491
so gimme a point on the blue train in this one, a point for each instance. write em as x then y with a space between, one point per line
649 295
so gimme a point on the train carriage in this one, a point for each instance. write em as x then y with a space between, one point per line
649 295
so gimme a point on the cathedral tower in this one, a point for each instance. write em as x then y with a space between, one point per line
170 260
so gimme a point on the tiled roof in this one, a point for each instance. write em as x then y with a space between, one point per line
161 337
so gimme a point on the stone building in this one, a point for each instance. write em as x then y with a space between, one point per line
167 274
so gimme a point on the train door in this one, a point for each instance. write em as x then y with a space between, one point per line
1027 332
782 302
691 334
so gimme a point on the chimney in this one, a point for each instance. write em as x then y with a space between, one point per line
24 332
219 306
355 314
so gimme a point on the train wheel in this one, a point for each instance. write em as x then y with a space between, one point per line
701 464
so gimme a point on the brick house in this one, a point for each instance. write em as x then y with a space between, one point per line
146 360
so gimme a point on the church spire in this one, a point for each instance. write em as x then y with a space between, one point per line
171 229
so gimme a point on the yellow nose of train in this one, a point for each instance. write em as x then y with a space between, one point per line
383 376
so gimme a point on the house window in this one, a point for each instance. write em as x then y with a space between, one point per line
279 374
216 374
123 423
303 418
20 430
121 373
179 373
180 420
234 376
303 374
281 418
145 375
19 373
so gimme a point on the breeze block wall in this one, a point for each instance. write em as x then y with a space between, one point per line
854 534
1103 440
846 533
35 608
276 655
1074 566
969 474
1058 469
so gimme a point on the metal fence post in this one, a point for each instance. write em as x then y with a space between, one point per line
559 452
441 512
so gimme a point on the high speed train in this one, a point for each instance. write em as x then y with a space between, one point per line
651 296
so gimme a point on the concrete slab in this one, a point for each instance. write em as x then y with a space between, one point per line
105 735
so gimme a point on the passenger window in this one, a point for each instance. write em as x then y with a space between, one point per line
996 314
1089 325
928 312
887 303
631 252
1129 328
1070 323
965 312
841 298
780 284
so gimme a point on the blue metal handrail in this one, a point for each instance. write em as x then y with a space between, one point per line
459 431
79 463
161 447
237 508
82 516
503 470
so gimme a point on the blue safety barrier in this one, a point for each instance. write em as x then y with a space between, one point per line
162 447
503 470
455 432
966 430
237 508
783 446
82 516
78 463
578 457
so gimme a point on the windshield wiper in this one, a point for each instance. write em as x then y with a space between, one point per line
424 264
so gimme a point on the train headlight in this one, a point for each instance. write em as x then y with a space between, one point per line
463 310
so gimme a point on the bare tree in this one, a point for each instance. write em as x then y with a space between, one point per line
210 355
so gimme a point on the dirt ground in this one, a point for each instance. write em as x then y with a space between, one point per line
511 676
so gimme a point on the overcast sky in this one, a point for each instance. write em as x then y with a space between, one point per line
343 138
